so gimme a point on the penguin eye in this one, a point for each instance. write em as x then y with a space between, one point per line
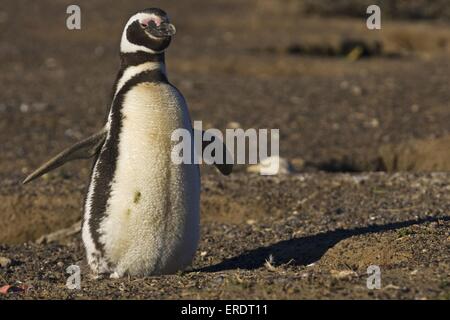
143 25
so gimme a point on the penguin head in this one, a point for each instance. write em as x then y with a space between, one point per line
147 31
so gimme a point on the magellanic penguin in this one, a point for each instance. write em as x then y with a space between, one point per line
141 213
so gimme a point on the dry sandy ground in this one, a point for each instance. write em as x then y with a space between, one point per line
322 231
263 66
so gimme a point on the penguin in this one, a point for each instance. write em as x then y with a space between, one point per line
141 211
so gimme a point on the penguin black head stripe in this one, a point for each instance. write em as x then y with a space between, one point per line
147 31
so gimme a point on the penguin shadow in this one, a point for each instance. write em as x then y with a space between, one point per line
305 250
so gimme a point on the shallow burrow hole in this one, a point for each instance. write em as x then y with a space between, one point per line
426 155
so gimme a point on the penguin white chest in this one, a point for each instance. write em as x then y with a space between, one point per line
151 225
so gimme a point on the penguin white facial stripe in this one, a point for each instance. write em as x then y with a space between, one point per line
126 47
133 71
142 18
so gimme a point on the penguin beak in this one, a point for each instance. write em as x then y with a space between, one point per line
164 29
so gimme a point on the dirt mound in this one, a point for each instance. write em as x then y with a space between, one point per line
394 9
32 211
417 155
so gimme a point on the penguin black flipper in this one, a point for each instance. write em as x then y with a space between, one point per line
84 149
223 167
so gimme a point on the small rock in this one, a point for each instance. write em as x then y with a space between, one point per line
356 90
218 280
298 164
5 262
359 179
304 275
391 286
234 125
271 166
344 85
374 123
39 106
50 63
434 225
24 108
343 274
